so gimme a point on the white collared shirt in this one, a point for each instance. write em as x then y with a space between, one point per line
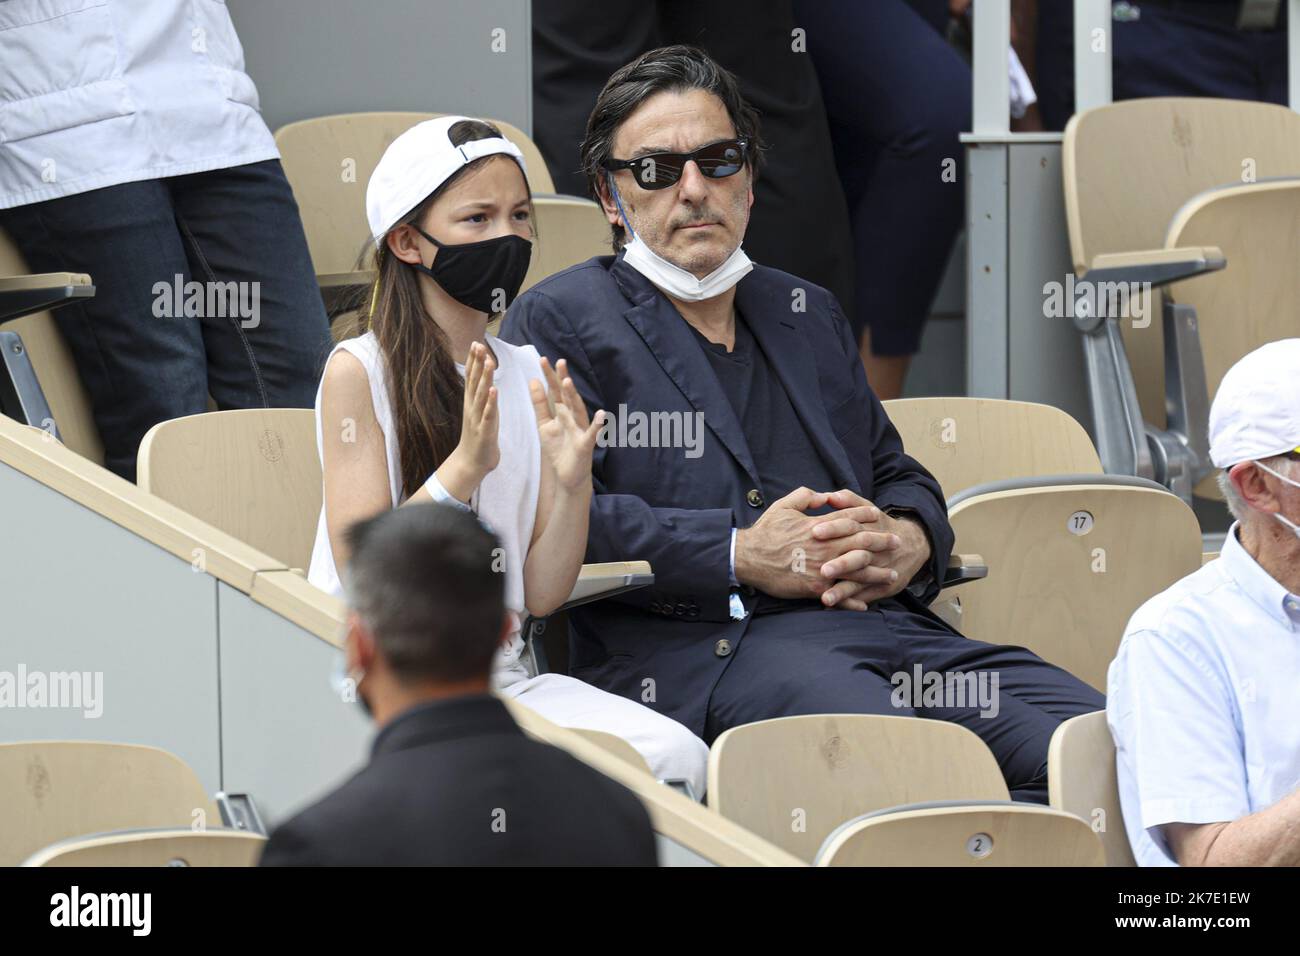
1204 701
95 93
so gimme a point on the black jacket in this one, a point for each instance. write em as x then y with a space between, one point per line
456 783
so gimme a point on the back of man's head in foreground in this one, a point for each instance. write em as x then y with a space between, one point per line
425 583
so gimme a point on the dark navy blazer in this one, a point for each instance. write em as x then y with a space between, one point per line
626 345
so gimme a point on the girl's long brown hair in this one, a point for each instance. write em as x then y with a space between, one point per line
426 391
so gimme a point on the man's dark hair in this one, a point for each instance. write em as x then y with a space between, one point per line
671 69
427 579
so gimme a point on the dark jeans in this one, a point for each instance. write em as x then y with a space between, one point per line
897 97
1165 52
819 661
143 356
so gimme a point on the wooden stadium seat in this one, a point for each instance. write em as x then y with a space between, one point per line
253 473
1254 301
52 361
154 848
569 230
969 441
975 835
328 161
1081 779
1192 192
1064 592
54 789
793 780
1188 144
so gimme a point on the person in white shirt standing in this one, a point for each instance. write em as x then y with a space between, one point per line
132 149
425 405
1204 695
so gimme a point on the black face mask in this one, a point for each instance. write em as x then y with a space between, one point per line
486 275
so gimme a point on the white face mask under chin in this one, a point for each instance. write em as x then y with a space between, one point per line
1295 529
681 284
672 279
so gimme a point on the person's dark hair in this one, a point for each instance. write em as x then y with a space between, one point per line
427 392
670 69
427 580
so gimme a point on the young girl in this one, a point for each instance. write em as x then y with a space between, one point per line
425 405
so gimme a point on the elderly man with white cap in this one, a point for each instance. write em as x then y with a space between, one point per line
1204 695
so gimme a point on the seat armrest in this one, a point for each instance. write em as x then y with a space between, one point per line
596 581
343 291
25 294
963 568
43 280
1103 299
1156 266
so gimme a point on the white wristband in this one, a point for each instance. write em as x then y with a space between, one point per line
441 495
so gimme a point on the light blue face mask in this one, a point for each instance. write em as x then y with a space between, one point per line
1295 529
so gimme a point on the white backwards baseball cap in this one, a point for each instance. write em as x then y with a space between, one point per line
1256 412
417 163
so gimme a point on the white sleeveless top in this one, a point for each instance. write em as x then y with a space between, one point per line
506 501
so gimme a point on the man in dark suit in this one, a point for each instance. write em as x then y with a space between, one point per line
796 546
452 780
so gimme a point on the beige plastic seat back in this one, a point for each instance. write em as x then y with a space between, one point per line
55 789
969 441
1256 299
793 780
1081 779
1129 168
52 361
328 162
253 473
156 848
569 230
1068 565
974 836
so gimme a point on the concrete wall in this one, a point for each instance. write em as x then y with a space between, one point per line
316 57
176 659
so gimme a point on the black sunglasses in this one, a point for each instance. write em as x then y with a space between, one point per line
661 170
